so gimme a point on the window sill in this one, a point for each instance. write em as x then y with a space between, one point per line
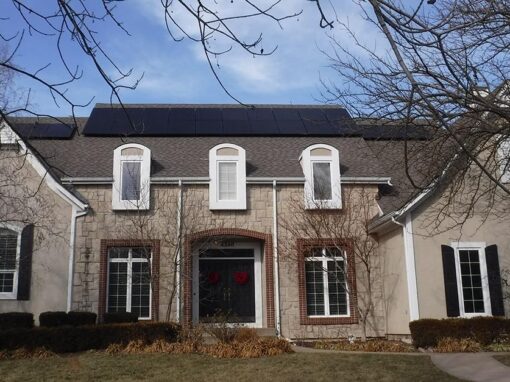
329 320
8 296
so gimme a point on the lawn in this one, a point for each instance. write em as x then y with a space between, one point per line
503 358
93 366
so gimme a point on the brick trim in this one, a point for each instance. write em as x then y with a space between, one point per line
103 270
188 271
303 245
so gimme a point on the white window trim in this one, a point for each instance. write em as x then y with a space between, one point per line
14 294
307 162
324 260
214 159
145 172
480 246
130 260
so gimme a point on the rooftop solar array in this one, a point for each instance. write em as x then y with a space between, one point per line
219 121
44 130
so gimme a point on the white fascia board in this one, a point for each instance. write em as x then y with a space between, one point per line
205 180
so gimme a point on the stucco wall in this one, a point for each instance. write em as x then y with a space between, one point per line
52 218
427 244
395 282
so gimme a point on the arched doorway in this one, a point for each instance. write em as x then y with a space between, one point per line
229 274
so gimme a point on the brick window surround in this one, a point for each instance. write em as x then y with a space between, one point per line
103 272
268 260
303 247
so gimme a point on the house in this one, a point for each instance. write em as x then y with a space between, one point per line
182 212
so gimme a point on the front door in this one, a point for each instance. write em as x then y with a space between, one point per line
228 279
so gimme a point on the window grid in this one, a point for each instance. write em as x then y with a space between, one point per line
129 287
321 174
131 180
227 180
326 287
8 260
471 278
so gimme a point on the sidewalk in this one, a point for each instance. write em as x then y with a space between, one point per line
480 367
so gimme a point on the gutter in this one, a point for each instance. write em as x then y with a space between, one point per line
206 179
179 242
70 279
276 264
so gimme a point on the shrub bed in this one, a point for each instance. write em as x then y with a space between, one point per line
68 339
52 319
81 318
15 320
120 318
484 330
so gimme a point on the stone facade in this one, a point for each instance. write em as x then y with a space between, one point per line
160 223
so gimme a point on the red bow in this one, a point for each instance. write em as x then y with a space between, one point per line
241 278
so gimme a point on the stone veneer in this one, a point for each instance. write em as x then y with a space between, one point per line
104 224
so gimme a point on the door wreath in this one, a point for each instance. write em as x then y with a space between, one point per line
241 278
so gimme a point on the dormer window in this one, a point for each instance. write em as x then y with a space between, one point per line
227 172
131 177
321 167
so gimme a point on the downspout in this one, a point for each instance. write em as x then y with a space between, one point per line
412 289
276 267
179 243
70 279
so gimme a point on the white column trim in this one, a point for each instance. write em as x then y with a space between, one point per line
412 289
276 264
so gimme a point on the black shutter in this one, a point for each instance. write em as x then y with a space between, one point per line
450 281
494 276
25 262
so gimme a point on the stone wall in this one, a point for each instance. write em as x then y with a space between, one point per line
103 223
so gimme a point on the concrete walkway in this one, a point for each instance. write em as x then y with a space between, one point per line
480 367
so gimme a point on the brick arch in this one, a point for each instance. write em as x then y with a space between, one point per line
266 238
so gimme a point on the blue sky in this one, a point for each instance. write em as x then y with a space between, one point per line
177 72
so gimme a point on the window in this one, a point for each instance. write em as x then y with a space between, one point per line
131 177
321 168
9 262
227 172
325 283
129 281
472 280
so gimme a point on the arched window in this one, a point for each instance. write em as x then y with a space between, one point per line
321 167
227 172
131 177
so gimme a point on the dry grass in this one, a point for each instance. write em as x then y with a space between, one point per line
39 353
454 345
248 348
99 366
367 346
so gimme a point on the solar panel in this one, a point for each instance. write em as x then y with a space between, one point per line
262 121
181 121
156 121
216 121
316 122
45 130
236 122
209 122
289 122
